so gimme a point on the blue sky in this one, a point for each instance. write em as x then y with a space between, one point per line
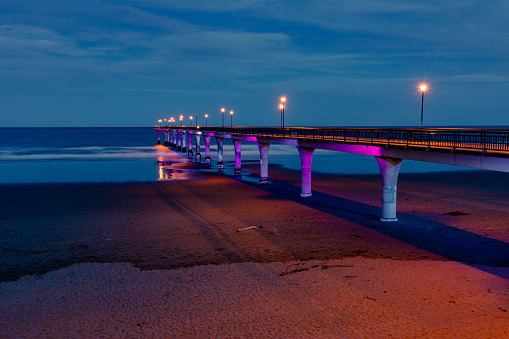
340 63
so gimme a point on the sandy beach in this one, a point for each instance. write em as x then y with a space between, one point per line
167 259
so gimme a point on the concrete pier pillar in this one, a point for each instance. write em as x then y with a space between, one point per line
175 138
306 156
170 137
220 164
237 143
197 138
184 137
179 140
166 137
389 168
190 144
207 148
264 162
158 137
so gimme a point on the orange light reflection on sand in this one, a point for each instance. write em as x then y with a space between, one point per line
163 175
168 173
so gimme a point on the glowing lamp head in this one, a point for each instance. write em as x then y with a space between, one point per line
222 110
191 117
159 120
423 87
231 112
206 115
283 99
281 106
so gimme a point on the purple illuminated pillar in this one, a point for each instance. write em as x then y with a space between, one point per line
190 143
389 168
158 136
198 154
306 156
220 165
165 136
207 148
175 137
237 143
264 162
183 137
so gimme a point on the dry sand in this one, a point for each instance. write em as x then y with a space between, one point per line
164 259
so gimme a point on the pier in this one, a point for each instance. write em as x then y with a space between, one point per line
474 148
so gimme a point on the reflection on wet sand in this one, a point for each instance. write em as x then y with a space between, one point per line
178 170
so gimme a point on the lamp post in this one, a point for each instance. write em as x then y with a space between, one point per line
196 115
423 88
231 118
281 109
222 115
181 118
191 118
282 106
206 120
159 121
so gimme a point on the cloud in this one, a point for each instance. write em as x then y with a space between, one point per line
32 40
201 5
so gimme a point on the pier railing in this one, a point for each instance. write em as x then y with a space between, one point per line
464 139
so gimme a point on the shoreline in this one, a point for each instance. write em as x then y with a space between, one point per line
193 220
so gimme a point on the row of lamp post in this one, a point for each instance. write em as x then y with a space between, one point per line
181 118
423 87
160 121
223 110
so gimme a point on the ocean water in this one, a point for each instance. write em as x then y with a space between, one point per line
37 155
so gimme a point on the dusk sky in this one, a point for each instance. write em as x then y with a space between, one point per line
339 63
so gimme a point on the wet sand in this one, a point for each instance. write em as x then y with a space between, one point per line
166 258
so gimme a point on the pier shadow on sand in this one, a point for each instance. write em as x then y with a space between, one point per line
444 240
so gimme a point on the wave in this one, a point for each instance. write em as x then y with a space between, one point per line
77 153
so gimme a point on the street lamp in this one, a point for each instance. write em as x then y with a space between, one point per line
196 115
423 88
181 118
191 118
206 122
159 121
231 117
282 107
222 115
